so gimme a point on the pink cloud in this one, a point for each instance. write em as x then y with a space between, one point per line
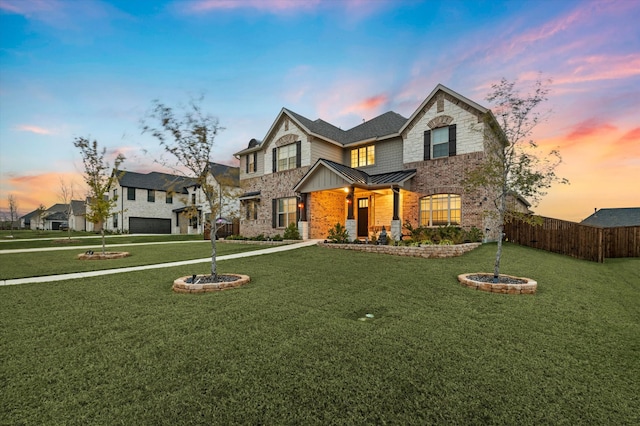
370 106
263 5
34 129
588 128
601 67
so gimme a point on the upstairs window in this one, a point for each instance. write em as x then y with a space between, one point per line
287 157
363 156
251 163
440 142
151 195
440 210
169 198
131 194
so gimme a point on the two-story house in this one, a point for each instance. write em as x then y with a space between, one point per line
383 172
161 203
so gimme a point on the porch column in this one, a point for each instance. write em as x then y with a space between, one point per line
351 221
350 198
396 223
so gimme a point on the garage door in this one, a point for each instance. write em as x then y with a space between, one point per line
145 225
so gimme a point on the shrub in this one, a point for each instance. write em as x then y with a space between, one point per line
291 233
338 234
473 235
277 237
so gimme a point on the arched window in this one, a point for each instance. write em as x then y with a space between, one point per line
440 209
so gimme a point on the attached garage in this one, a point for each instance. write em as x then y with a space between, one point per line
145 225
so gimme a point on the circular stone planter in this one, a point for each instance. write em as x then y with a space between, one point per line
523 285
105 256
182 286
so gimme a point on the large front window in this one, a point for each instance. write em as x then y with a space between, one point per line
364 156
440 209
286 211
287 157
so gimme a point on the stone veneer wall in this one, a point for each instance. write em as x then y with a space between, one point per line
272 185
429 251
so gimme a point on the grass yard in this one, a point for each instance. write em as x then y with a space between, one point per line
34 264
290 348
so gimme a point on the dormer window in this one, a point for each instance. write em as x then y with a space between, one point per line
363 156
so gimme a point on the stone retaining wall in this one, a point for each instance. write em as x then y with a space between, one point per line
429 251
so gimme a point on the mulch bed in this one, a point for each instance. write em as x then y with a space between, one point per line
208 279
501 279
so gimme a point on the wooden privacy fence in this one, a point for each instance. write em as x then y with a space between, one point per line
576 240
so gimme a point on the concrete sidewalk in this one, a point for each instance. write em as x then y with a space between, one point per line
77 275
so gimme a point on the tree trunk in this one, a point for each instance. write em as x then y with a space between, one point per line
501 215
214 268
103 243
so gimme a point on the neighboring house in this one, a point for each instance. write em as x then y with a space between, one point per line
77 219
611 218
161 203
29 219
383 172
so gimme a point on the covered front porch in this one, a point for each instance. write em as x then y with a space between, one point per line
332 193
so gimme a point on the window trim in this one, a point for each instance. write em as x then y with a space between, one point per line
359 159
429 213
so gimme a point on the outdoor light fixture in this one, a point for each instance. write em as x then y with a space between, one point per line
300 205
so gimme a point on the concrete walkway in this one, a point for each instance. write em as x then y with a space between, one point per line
77 275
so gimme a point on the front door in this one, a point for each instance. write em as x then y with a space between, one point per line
363 217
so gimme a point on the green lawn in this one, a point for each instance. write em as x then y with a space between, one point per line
33 264
53 239
290 348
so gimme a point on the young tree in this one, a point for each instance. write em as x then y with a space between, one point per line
13 211
66 196
512 167
99 177
188 136
40 216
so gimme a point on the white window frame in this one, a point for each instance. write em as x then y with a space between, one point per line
434 208
287 157
286 211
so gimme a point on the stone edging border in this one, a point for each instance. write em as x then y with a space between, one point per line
106 256
426 251
181 286
529 288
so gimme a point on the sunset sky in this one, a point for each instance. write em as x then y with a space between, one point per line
91 68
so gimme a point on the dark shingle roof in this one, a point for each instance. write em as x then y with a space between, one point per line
78 207
155 181
386 124
610 218
227 172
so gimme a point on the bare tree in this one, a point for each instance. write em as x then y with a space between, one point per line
188 136
40 216
66 196
13 211
512 167
99 177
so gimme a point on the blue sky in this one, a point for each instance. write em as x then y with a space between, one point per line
91 68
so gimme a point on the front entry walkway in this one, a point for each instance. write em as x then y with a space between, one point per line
77 275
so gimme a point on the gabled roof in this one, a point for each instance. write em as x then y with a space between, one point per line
610 218
389 124
230 173
59 207
358 177
155 181
448 91
78 207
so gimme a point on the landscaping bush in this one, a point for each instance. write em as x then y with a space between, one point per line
291 233
338 234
